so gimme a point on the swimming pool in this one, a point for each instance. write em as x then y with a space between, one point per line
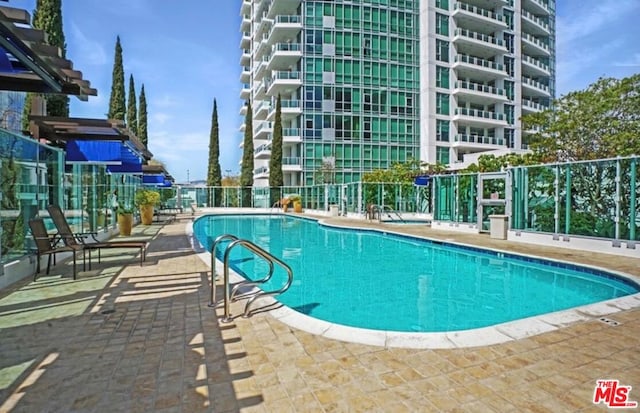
368 279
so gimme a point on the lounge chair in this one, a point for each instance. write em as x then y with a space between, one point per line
87 241
48 245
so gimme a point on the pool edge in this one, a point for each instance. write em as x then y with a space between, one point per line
484 336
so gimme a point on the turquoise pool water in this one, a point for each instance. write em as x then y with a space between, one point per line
381 281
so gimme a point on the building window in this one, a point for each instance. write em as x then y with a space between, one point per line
442 155
442 4
442 50
442 24
442 77
442 103
442 130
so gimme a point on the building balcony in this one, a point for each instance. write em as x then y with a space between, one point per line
534 67
260 47
478 41
284 55
475 92
245 40
245 57
533 46
529 106
259 91
283 81
534 25
531 87
285 28
243 110
263 151
288 109
245 24
280 7
245 75
481 118
245 92
260 67
261 173
539 7
471 67
262 109
477 141
291 135
263 131
476 18
291 164
245 8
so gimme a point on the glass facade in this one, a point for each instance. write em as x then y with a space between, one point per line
472 51
359 86
33 175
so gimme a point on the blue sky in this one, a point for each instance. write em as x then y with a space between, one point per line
187 54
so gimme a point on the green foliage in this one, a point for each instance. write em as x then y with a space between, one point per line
132 111
602 121
117 99
48 17
246 172
124 208
214 174
276 178
147 197
402 172
492 163
26 110
12 227
142 118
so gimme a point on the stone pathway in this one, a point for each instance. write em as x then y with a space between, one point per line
125 338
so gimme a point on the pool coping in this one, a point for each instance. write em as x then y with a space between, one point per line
484 336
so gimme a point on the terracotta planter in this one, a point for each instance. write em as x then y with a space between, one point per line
125 223
297 206
146 214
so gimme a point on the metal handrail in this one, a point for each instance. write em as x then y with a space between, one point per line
212 300
385 208
267 257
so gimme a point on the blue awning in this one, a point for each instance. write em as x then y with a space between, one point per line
120 157
156 179
94 152
422 180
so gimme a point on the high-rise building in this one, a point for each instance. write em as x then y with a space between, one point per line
366 83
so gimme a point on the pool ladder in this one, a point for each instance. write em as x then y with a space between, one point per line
379 210
250 296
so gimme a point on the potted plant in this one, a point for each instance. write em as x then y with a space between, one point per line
146 199
285 204
297 202
125 218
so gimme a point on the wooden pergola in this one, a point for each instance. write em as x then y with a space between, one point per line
28 64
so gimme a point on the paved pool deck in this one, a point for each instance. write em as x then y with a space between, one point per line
142 339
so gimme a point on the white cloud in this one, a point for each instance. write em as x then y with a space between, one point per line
633 61
587 19
160 118
92 51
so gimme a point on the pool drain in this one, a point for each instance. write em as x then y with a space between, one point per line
609 321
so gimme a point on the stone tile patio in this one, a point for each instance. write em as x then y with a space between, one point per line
142 339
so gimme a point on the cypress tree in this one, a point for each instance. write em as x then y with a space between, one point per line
142 117
48 17
214 175
117 107
132 111
246 173
276 180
